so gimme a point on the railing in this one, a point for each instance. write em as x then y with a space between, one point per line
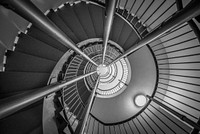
73 106
177 54
178 74
151 13
179 71
147 122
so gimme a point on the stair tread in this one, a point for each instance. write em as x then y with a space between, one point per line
32 46
42 36
37 130
117 27
69 90
69 97
69 17
134 20
5 95
126 31
97 16
83 91
23 121
132 39
17 61
130 17
85 97
19 81
125 13
53 16
82 12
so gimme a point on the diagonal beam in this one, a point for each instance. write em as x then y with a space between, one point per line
190 11
30 12
88 108
12 104
110 10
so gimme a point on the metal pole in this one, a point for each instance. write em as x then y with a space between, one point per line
108 24
30 12
180 116
91 100
190 11
14 103
82 123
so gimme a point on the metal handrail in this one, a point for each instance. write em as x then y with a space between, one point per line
13 104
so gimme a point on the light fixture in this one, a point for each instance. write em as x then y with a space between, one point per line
140 100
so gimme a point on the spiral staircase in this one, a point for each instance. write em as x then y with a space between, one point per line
81 92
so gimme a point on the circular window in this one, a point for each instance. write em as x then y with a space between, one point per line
140 100
114 78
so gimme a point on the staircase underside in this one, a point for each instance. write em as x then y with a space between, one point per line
38 60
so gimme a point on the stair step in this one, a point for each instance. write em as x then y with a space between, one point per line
83 63
132 40
126 31
5 95
83 91
130 17
75 62
69 97
37 130
141 29
42 36
83 15
85 97
97 15
32 46
73 67
134 20
80 71
53 16
71 73
72 76
17 61
69 90
144 33
76 107
138 25
125 13
23 121
117 27
21 81
120 11
69 17
73 102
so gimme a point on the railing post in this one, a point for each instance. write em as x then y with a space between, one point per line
82 124
190 11
196 131
180 116
14 103
30 12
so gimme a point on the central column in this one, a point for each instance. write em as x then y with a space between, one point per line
102 70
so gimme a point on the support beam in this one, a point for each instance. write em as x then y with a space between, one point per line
30 12
12 104
190 11
180 116
110 10
81 127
